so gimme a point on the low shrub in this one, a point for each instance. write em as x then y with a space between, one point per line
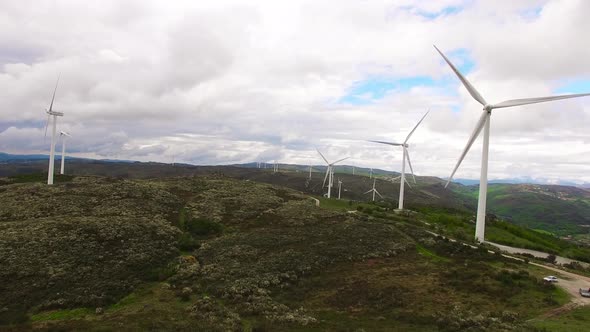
202 226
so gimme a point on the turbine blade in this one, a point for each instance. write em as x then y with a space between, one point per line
411 132
368 192
326 160
395 178
378 193
46 125
54 90
472 91
410 164
325 177
526 101
337 161
408 183
478 127
388 143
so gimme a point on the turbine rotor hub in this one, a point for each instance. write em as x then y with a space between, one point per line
488 108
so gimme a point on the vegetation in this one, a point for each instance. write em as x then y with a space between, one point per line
556 209
461 225
576 320
190 253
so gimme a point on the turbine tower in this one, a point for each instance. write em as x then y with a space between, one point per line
63 136
50 112
339 187
329 172
484 123
406 156
374 191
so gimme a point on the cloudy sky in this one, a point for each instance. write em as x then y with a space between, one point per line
220 82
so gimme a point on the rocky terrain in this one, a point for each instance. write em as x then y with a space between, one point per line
216 253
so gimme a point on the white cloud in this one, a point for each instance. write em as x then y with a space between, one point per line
228 81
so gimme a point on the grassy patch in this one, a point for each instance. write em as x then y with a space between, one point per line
126 301
61 314
577 320
430 255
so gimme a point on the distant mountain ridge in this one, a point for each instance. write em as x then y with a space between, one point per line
348 169
562 210
18 158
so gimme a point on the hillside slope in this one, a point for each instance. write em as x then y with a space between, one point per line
215 253
558 209
561 210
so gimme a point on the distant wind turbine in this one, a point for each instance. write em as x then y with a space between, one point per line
374 191
339 187
406 156
394 180
50 112
63 135
484 123
329 172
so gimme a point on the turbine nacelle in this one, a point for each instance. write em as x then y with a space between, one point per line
54 113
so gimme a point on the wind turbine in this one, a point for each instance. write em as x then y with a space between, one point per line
63 136
371 173
55 114
374 191
329 172
484 123
393 180
339 187
406 156
310 171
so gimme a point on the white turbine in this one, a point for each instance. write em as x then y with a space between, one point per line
339 187
329 172
63 136
374 191
394 180
484 123
310 171
51 112
406 156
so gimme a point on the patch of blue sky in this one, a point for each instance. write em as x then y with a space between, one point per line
461 59
430 14
573 86
372 89
447 11
531 13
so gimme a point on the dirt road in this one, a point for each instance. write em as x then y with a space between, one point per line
571 283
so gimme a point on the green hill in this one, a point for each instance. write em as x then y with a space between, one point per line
560 210
218 253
